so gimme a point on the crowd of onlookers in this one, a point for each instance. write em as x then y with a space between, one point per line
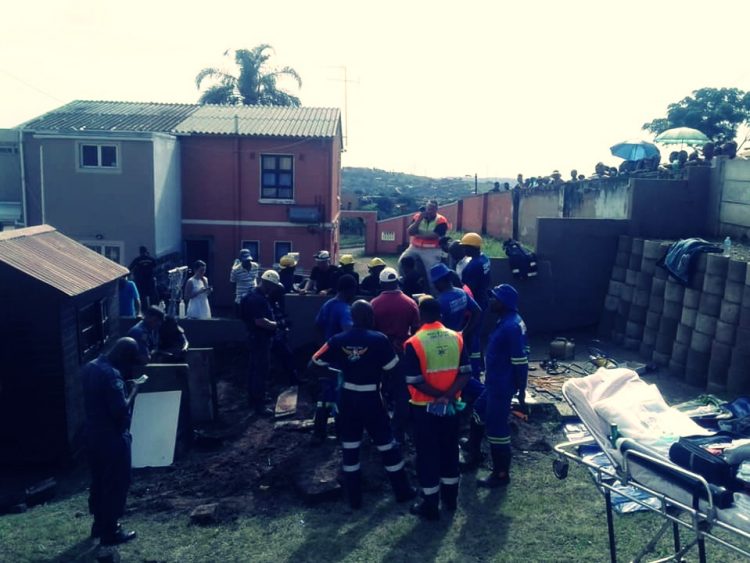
645 167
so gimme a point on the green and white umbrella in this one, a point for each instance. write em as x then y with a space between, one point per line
681 136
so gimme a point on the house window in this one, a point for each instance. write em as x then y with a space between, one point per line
254 247
111 249
280 248
277 177
92 329
98 156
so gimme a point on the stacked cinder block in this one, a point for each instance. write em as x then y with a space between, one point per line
738 377
619 289
726 326
674 294
709 308
652 251
641 291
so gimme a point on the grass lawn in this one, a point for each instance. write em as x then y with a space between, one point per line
538 518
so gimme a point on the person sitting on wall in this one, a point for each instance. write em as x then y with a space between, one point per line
519 181
708 152
172 342
287 266
600 170
425 230
574 175
371 283
321 276
729 150
556 178
506 186
346 267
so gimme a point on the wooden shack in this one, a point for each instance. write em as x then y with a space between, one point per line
59 309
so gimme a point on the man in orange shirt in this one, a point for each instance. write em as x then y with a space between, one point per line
425 231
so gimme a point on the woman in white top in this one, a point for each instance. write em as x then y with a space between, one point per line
196 292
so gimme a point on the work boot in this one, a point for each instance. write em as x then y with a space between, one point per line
96 531
402 490
500 476
320 426
118 537
471 456
427 508
353 483
449 497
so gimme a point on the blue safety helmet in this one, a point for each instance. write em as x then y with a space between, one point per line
439 271
506 294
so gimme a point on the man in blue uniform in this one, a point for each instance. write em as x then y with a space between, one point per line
458 311
257 313
363 356
107 431
146 332
334 317
476 275
506 372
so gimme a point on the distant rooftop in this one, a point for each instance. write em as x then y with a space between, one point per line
256 121
263 121
56 260
85 115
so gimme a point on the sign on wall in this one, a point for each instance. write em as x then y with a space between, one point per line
388 236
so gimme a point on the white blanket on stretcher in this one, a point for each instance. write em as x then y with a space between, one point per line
619 396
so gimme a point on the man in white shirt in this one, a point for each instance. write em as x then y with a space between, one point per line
244 275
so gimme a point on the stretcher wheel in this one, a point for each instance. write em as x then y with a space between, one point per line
560 468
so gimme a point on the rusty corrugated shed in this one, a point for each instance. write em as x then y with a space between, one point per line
56 260
263 121
87 115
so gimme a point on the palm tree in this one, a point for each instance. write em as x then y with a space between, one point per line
253 84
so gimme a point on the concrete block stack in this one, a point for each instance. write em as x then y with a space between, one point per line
619 290
726 326
709 309
640 282
738 377
652 251
674 296
691 296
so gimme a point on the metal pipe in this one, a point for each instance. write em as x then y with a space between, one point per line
41 183
23 177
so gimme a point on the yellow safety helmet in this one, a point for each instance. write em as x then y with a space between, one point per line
287 261
375 262
472 239
346 259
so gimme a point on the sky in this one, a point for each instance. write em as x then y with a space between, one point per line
433 88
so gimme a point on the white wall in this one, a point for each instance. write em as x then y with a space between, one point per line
167 196
734 208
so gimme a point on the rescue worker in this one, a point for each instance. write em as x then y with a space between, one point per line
107 404
459 311
476 275
146 332
364 356
287 266
257 313
334 317
321 276
396 316
346 267
371 283
436 368
425 231
506 372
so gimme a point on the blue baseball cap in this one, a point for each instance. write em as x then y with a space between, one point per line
506 294
439 271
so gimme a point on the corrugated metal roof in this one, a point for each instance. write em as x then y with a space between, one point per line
263 121
56 260
85 115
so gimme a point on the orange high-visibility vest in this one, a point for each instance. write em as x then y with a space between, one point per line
427 227
439 352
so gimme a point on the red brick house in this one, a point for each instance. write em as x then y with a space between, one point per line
264 178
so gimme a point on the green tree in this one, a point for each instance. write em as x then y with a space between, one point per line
251 83
717 112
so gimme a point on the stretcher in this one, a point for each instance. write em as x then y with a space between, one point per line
639 456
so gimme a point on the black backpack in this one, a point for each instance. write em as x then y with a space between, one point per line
522 261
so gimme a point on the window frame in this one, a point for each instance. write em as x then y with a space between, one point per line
276 255
81 167
97 325
256 242
101 244
277 187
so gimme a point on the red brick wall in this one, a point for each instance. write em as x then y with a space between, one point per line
472 213
450 212
500 215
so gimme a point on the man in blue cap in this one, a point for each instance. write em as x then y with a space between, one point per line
458 311
506 372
